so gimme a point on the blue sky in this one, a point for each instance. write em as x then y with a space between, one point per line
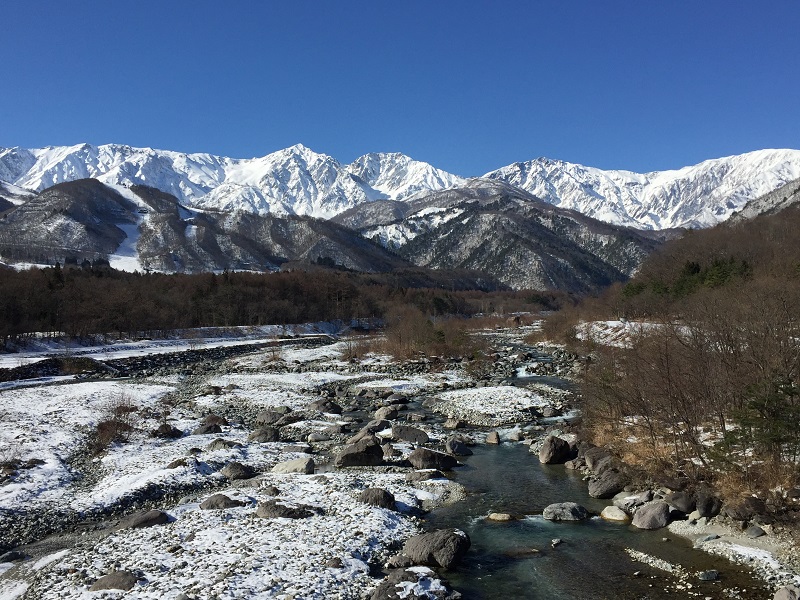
467 86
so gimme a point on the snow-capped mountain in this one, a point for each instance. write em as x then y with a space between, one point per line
291 181
695 196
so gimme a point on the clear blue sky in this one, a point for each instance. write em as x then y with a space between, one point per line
467 86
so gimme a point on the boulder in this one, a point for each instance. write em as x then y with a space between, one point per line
500 517
265 435
277 509
454 424
789 592
364 453
575 464
268 417
386 413
607 484
303 465
369 430
442 548
206 429
406 433
455 446
326 405
317 436
554 451
755 531
565 511
221 444
407 584
143 519
745 509
593 456
118 580
616 514
236 470
424 475
682 501
654 515
707 504
167 431
212 419
422 458
493 438
378 497
220 501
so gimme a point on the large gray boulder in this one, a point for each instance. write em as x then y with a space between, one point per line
707 504
235 470
682 501
277 509
325 405
789 592
607 484
206 429
745 508
143 519
455 445
118 580
220 501
422 458
386 413
378 497
265 435
303 465
565 511
268 417
442 548
406 433
554 451
654 515
366 452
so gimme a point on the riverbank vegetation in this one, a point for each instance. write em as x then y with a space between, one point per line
703 376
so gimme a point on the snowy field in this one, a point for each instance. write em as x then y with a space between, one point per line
491 406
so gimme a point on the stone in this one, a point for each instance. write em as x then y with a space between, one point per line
710 575
407 584
789 592
654 515
455 446
454 424
167 431
406 433
422 458
565 511
493 438
685 502
236 470
303 465
364 453
265 435
317 436
268 417
397 398
500 517
615 514
212 419
575 464
143 519
276 509
220 501
607 484
326 405
369 430
554 451
220 444
118 580
745 509
206 429
386 413
754 532
378 497
442 548
424 475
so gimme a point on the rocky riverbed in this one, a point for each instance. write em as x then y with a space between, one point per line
268 471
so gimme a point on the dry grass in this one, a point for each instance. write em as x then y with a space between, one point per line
120 417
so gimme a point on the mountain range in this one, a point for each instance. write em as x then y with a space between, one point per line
298 181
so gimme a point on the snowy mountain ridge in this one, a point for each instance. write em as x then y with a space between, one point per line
299 181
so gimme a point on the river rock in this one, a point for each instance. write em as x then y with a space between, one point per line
220 501
378 497
745 509
206 429
452 423
222 444
407 584
276 509
607 484
386 413
682 501
303 465
268 417
406 433
424 475
118 580
455 445
422 458
616 514
366 452
215 419
235 470
326 405
167 431
575 464
265 435
554 451
493 438
369 430
143 519
707 504
442 548
755 532
654 515
565 511
710 575
789 592
500 517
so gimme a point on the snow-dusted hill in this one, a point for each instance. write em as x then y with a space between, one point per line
696 196
291 181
